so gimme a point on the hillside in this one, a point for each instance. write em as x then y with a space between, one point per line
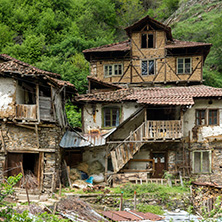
201 21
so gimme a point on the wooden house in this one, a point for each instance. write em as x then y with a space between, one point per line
32 121
161 118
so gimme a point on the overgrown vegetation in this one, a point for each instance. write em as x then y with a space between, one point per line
51 34
150 208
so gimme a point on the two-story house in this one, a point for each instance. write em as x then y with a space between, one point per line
146 110
32 121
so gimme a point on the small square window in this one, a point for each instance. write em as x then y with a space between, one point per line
200 117
111 116
113 70
147 40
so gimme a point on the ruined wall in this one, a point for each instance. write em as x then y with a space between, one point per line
95 153
205 131
92 122
20 140
7 95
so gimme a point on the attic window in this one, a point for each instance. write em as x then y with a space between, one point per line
113 70
147 40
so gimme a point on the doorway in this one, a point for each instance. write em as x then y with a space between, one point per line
30 162
160 160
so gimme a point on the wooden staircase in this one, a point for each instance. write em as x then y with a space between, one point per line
126 149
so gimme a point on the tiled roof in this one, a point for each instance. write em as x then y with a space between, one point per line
156 95
60 82
112 96
183 44
119 46
16 66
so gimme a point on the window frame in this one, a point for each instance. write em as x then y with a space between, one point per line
201 161
148 60
217 115
111 108
183 73
147 33
207 117
113 69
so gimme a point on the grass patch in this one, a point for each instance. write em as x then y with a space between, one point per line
150 208
160 191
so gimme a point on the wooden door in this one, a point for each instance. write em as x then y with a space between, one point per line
160 164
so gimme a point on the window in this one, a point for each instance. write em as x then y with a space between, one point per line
147 40
111 116
113 70
184 65
148 67
202 114
202 161
200 117
213 117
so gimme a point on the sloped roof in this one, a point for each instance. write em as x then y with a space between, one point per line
14 65
145 20
155 95
118 46
180 44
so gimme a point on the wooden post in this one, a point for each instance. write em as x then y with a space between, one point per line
146 125
106 164
121 202
3 142
37 135
67 171
37 102
181 179
26 189
134 203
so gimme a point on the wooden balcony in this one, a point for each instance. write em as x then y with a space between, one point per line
163 130
26 112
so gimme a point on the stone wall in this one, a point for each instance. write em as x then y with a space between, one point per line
24 140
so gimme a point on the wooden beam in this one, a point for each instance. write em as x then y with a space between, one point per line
37 135
124 73
37 102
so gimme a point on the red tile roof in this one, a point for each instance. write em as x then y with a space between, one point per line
155 95
119 46
131 215
184 44
16 66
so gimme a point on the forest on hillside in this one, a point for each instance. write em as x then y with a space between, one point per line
51 34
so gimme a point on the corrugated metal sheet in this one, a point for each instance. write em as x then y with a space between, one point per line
72 139
130 216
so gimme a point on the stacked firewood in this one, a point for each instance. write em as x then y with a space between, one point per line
204 195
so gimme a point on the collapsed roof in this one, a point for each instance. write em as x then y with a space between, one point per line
12 66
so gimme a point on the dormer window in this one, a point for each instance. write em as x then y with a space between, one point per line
113 70
147 40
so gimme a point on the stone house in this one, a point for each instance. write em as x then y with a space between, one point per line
147 111
32 120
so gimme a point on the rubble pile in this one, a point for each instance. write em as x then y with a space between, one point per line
77 209
30 179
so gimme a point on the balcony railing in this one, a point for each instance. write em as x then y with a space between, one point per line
26 112
170 129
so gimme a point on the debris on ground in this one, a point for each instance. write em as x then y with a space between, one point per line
83 167
80 184
96 188
77 210
95 168
30 179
